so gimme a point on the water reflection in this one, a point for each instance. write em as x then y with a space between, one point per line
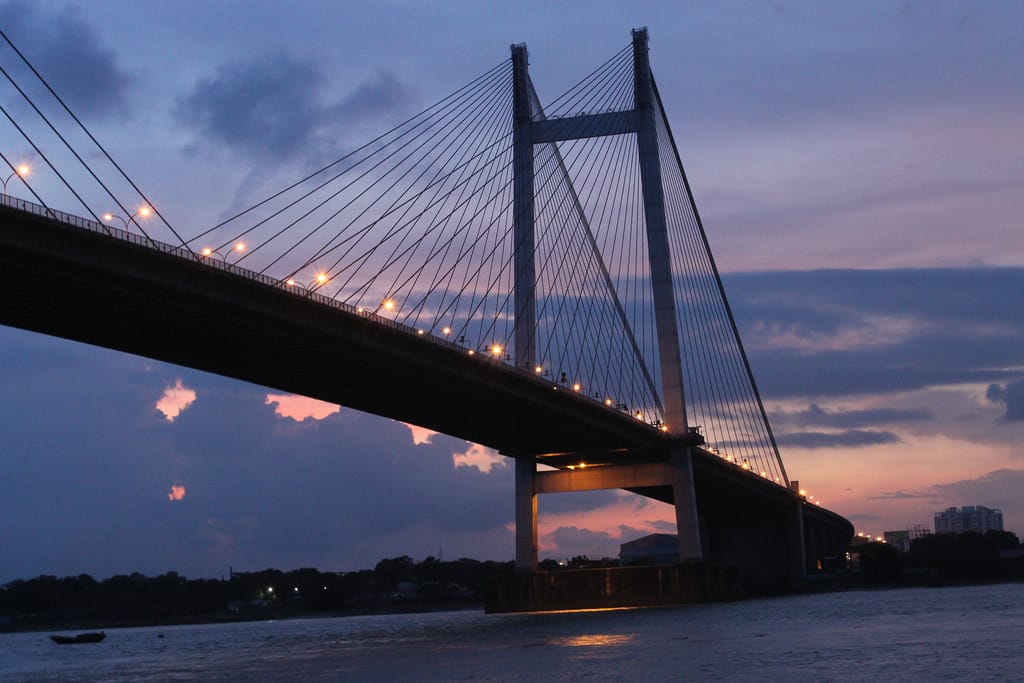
593 640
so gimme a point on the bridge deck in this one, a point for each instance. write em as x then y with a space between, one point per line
87 286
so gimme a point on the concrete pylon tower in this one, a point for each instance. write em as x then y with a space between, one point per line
642 121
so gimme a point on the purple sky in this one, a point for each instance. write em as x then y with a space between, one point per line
859 170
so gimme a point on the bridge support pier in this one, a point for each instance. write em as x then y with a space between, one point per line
677 473
684 494
526 515
798 553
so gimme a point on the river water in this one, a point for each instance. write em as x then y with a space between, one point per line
920 634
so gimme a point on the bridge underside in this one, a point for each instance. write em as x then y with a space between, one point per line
85 286
88 287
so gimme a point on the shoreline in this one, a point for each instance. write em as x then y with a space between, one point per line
814 585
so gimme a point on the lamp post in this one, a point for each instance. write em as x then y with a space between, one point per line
21 171
209 252
143 212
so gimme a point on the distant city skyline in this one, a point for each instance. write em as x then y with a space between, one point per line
857 169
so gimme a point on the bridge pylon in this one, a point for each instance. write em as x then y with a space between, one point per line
531 128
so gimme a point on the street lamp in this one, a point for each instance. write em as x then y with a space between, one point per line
143 212
208 252
21 171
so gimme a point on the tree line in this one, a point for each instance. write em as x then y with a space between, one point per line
970 556
394 583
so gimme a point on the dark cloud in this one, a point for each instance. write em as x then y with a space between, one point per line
862 517
902 495
836 332
848 419
592 544
273 107
1010 395
68 53
997 489
850 437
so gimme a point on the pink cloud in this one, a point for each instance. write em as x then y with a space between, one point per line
177 493
300 407
480 457
175 400
420 435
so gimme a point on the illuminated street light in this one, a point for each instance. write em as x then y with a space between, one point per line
208 252
389 304
143 212
21 171
496 349
321 278
608 402
538 370
577 386
446 331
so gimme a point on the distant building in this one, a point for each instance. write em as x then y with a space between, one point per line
902 539
898 539
652 549
918 531
968 518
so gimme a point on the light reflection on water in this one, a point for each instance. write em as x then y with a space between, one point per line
594 640
972 633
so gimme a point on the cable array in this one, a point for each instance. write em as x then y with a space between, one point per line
721 394
87 175
416 226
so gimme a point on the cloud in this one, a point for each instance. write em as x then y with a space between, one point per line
301 407
850 437
177 493
420 434
69 55
592 544
273 106
175 400
1010 395
902 495
996 489
846 332
847 419
483 458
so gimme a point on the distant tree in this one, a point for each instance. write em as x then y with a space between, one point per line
880 562
390 572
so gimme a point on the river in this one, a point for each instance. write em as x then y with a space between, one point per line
917 634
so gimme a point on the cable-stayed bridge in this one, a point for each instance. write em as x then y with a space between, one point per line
532 278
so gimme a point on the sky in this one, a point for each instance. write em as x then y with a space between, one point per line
859 170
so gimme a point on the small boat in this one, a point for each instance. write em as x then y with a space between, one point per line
80 638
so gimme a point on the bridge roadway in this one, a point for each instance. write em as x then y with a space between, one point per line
73 278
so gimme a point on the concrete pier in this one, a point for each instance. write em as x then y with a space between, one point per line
612 587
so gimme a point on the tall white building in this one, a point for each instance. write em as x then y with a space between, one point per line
968 518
